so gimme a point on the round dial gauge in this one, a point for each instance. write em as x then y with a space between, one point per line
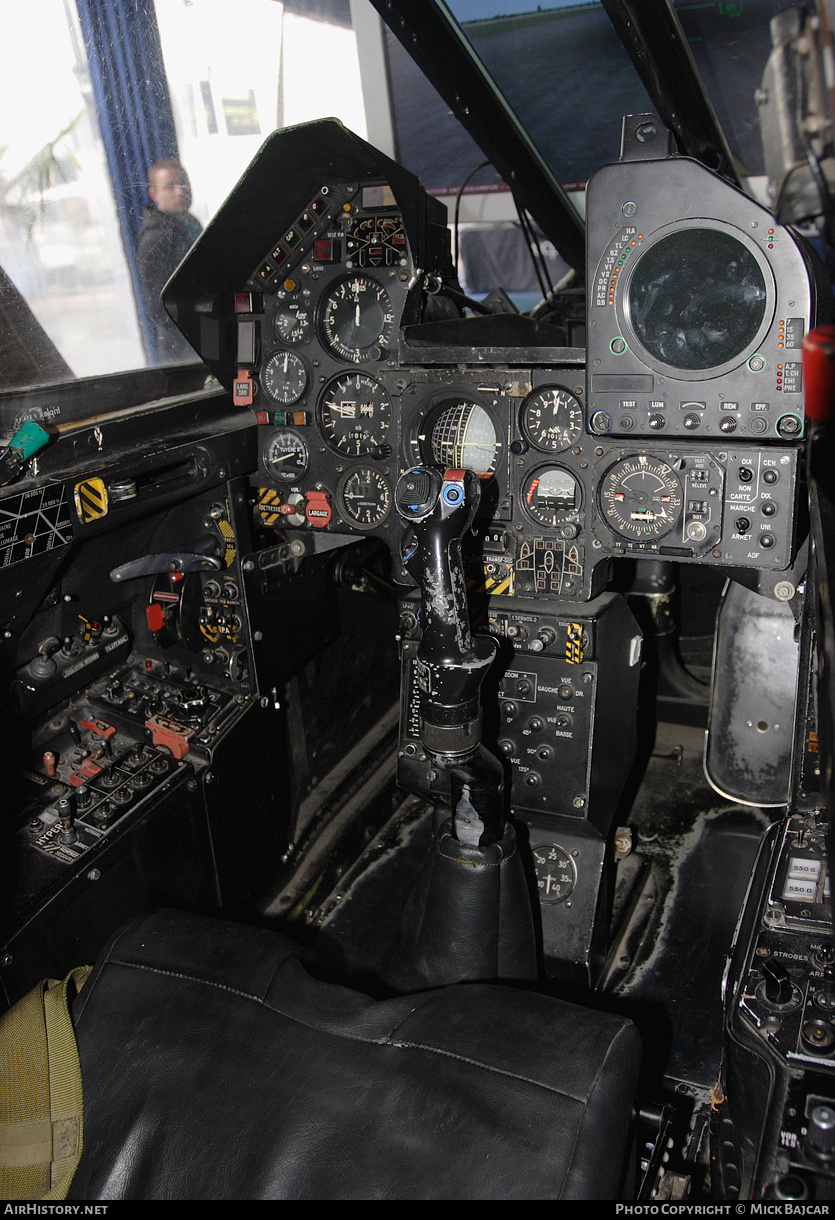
364 497
284 377
552 419
556 873
355 415
461 436
357 319
284 456
640 498
291 321
551 495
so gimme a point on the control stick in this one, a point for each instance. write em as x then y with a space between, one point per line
451 663
469 914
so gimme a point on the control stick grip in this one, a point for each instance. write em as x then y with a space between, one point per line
450 666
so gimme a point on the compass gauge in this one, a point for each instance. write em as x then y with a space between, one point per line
641 498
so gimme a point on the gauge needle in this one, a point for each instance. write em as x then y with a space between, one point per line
285 458
286 361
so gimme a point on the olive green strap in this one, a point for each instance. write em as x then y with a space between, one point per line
41 1099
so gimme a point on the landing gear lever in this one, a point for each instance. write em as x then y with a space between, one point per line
451 663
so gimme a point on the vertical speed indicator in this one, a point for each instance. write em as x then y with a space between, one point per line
641 498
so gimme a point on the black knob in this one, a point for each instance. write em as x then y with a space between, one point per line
68 833
778 984
820 1132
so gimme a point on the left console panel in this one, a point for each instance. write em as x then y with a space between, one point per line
126 646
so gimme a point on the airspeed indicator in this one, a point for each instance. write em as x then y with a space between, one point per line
641 498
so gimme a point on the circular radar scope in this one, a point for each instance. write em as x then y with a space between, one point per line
698 300
357 319
641 498
355 415
461 436
552 419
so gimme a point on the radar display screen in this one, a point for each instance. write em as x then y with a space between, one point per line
697 299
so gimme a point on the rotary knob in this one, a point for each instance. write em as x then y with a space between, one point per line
820 1132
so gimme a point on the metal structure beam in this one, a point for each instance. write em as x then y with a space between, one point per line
449 62
654 40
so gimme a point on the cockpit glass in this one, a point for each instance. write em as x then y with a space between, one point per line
74 157
74 190
564 46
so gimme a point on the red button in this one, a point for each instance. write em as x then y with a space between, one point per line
243 389
318 511
155 616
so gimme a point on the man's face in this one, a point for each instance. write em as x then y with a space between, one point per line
171 191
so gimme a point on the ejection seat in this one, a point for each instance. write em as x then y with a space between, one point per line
216 1065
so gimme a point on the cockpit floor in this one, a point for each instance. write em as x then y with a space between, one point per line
686 878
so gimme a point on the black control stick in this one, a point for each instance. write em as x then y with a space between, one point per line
468 915
451 663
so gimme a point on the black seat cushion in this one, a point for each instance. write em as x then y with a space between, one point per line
217 1066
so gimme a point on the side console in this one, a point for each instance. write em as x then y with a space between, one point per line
779 1117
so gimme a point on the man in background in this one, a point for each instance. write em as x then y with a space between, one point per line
168 232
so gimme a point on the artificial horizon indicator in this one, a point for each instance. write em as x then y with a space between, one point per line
461 435
551 496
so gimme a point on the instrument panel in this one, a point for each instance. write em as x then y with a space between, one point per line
664 444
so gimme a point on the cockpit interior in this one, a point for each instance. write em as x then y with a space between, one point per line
419 691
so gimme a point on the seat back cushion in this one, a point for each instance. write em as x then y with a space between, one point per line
216 1065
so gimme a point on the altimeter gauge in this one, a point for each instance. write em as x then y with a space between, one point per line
641 498
355 415
552 419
